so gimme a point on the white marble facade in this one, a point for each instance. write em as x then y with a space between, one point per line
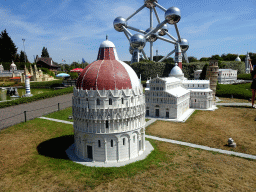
170 97
227 76
109 125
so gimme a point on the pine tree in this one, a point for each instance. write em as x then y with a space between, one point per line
45 52
8 49
23 56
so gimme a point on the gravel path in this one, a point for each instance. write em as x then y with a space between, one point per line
15 114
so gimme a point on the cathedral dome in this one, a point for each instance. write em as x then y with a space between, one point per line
107 72
13 64
176 72
238 58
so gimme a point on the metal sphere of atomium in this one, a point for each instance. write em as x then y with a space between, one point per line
118 23
152 37
163 30
184 45
172 15
150 3
131 50
138 41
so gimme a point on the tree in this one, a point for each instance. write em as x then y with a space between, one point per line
203 73
8 49
216 57
45 52
23 57
192 59
205 59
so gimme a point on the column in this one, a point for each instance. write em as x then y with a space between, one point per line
93 152
129 139
117 150
105 146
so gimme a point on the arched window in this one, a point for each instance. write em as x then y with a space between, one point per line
98 101
122 100
99 143
107 124
112 143
110 101
132 100
123 141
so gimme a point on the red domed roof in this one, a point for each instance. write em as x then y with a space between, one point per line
107 72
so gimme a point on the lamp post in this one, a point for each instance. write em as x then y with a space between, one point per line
24 50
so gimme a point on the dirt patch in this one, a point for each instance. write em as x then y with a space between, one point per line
213 128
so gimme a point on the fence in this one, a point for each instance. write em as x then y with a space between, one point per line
69 82
25 114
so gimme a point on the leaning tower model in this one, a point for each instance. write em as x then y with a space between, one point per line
108 110
212 74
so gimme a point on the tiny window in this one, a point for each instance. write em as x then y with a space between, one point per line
122 100
99 143
134 139
110 101
98 102
123 141
111 143
107 124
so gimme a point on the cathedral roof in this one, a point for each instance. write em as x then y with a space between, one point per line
176 71
238 58
107 72
178 91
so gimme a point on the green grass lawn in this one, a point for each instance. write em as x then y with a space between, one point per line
62 115
33 158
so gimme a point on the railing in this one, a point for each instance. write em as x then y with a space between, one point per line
17 118
69 82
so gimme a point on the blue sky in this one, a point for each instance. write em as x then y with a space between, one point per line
73 29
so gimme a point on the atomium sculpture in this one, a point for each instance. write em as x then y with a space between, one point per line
138 41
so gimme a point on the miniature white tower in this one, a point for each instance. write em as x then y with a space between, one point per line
178 55
247 63
1 68
27 87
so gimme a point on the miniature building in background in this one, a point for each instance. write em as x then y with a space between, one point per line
238 58
108 110
197 74
247 63
1 68
13 67
227 76
212 74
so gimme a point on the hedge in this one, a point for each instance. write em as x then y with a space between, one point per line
240 91
37 97
149 69
245 76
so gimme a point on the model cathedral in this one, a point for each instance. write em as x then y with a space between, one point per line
108 110
170 97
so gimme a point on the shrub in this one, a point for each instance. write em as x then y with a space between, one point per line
240 91
244 76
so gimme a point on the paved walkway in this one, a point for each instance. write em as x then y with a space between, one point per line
15 114
176 142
